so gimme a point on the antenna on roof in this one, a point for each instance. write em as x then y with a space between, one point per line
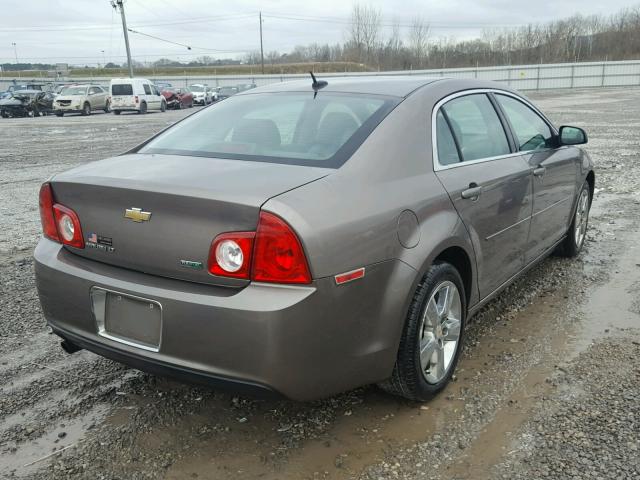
317 84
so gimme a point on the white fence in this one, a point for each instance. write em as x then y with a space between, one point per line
521 77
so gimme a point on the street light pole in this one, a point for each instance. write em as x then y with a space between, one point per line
120 3
15 50
104 59
261 49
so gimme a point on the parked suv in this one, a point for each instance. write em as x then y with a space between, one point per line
202 94
135 94
81 98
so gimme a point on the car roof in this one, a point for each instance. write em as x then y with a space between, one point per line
393 85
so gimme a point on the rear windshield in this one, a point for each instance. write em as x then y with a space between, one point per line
228 90
293 128
196 88
121 89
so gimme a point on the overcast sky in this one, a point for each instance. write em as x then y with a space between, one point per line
78 31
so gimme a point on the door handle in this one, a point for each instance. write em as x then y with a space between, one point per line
473 192
540 171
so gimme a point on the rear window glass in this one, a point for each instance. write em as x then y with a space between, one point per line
293 128
121 89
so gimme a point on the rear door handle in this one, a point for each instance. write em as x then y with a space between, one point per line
539 172
473 192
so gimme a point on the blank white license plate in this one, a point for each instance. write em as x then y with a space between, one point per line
127 318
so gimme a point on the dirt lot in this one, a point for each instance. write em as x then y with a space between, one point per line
547 387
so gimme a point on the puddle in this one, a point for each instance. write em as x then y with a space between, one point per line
24 458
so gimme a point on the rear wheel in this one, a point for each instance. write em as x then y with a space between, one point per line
59 114
107 107
116 112
577 233
432 336
143 108
163 106
86 109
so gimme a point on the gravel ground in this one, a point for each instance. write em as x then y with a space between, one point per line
547 386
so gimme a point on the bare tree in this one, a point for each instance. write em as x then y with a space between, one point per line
419 41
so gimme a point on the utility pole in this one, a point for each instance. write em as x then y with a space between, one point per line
120 3
261 49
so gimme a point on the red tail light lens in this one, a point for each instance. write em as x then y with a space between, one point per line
278 256
47 219
68 223
230 255
59 223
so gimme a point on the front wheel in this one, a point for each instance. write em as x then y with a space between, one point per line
59 114
107 107
577 233
116 112
163 106
431 341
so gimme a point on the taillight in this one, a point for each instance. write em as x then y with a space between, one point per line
68 224
59 223
230 254
137 99
272 254
49 228
278 256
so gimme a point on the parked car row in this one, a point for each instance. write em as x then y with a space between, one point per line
123 94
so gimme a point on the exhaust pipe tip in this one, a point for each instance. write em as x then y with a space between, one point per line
69 347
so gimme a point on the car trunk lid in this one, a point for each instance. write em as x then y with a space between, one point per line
158 214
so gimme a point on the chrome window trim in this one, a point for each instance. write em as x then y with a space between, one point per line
437 166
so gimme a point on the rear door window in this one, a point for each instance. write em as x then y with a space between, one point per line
147 89
447 149
530 130
476 127
121 89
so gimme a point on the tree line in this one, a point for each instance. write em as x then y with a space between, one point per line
577 38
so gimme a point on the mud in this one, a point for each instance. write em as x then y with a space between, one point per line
558 322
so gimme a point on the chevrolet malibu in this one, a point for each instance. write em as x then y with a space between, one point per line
307 238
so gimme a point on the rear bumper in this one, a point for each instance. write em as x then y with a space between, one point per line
304 342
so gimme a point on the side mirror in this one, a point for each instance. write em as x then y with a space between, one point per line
572 136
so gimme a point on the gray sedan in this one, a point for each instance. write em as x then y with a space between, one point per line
304 239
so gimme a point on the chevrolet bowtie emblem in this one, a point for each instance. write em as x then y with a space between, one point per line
137 215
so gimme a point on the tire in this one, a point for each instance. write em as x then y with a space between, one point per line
116 112
143 108
409 378
107 107
59 114
574 241
86 109
163 106
180 106
191 104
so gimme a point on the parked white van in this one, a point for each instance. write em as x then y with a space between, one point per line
135 94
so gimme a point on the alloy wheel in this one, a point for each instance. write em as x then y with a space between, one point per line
439 331
582 218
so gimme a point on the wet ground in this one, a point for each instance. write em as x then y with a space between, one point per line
547 386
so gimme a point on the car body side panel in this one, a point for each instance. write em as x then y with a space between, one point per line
498 220
349 219
553 196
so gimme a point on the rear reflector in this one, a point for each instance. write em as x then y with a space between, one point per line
349 276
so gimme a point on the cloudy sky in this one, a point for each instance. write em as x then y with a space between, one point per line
89 31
